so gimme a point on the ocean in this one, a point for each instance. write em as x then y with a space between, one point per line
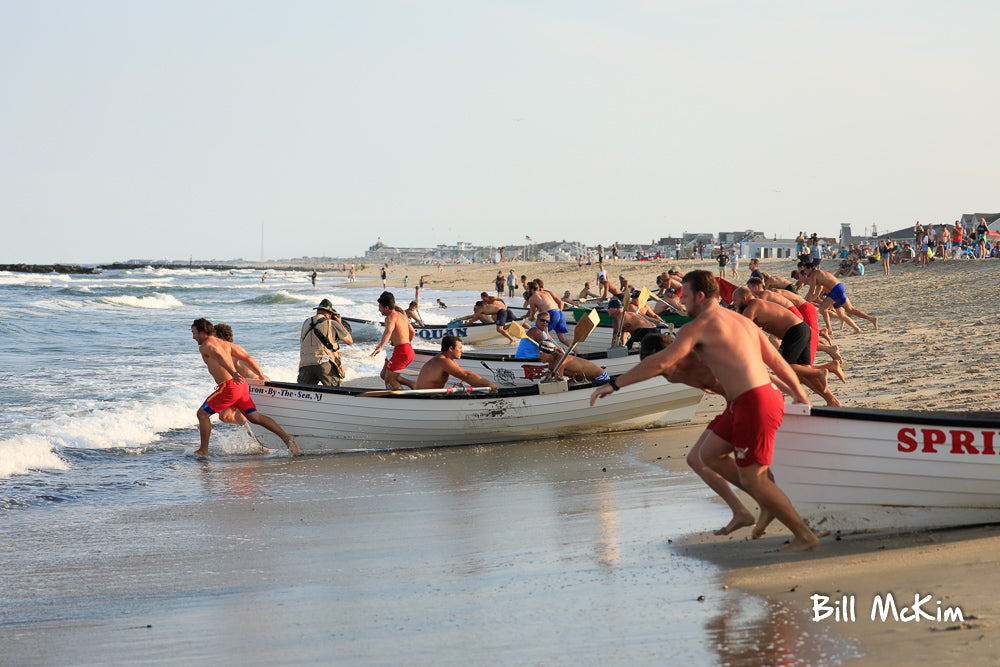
524 553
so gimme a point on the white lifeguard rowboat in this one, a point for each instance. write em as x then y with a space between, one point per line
342 419
506 370
858 470
470 334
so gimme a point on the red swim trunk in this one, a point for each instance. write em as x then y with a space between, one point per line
808 313
401 357
230 395
749 423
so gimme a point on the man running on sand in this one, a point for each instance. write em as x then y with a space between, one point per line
233 389
737 353
823 285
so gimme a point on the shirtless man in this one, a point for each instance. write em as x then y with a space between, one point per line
587 293
794 334
830 294
692 372
435 373
413 313
491 313
496 308
803 309
574 368
218 355
250 369
944 242
399 332
777 282
542 300
634 324
737 354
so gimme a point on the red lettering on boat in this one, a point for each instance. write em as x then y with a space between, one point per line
907 443
988 442
961 442
932 437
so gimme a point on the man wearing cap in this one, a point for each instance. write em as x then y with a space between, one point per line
319 352
629 323
574 368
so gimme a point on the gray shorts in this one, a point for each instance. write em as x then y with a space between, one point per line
321 373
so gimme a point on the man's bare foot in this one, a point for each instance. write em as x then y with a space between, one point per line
875 322
763 521
835 354
834 367
201 452
292 447
739 521
798 544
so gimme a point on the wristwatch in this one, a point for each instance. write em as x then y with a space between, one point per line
613 385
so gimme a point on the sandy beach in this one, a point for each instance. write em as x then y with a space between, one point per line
933 350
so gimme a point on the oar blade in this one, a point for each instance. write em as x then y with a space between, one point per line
643 298
585 326
516 330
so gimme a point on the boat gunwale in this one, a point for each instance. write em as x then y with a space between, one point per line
504 392
980 419
376 323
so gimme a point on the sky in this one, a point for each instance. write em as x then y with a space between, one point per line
213 129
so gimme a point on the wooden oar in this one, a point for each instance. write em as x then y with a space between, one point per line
643 298
618 334
446 390
583 328
515 330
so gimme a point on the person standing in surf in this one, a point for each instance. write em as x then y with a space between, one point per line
232 390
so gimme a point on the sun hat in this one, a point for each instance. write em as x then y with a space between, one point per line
326 305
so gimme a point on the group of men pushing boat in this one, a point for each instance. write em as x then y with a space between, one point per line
720 350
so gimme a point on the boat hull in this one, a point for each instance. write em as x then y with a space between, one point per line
874 470
340 420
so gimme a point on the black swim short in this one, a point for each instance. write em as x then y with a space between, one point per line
638 335
503 316
795 344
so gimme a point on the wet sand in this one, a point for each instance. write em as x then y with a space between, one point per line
558 552
933 350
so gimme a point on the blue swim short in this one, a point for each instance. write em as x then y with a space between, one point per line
839 295
557 322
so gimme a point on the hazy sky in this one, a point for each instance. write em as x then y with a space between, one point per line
174 129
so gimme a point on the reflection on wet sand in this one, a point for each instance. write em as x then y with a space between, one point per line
755 632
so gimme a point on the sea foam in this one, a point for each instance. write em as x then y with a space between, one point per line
23 453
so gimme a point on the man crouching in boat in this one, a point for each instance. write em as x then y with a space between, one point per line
233 389
435 373
574 368
735 351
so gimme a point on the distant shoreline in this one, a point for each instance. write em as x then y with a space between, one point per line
80 269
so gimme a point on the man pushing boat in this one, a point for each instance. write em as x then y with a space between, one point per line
232 390
738 354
